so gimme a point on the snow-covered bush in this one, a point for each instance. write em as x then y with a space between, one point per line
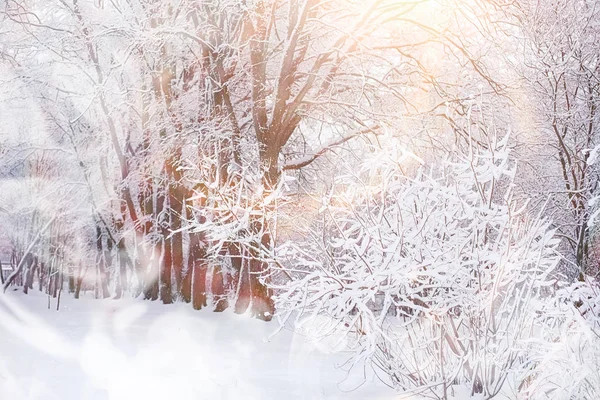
564 359
430 277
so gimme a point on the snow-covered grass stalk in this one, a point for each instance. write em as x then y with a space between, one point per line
431 277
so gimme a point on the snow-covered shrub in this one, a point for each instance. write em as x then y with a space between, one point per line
564 361
429 277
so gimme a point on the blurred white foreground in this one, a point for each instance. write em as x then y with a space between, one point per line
131 349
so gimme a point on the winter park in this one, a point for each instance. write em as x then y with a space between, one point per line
299 199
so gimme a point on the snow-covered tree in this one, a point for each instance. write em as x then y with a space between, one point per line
245 91
560 71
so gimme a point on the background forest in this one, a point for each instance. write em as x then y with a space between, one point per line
413 180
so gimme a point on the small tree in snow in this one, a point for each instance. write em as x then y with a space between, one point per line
429 278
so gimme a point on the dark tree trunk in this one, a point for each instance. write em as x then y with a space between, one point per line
101 275
42 276
80 277
262 302
253 292
108 258
241 279
188 271
197 266
60 278
186 283
166 294
176 202
218 289
199 286
53 281
177 249
26 271
31 269
71 281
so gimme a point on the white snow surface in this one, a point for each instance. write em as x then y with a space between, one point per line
133 349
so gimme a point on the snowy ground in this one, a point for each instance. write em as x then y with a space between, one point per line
130 349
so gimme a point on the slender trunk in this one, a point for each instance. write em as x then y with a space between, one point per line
241 278
166 294
197 265
108 257
176 202
80 277
177 258
101 288
218 289
186 283
53 289
71 280
60 279
42 276
188 272
104 280
151 269
31 268
199 285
